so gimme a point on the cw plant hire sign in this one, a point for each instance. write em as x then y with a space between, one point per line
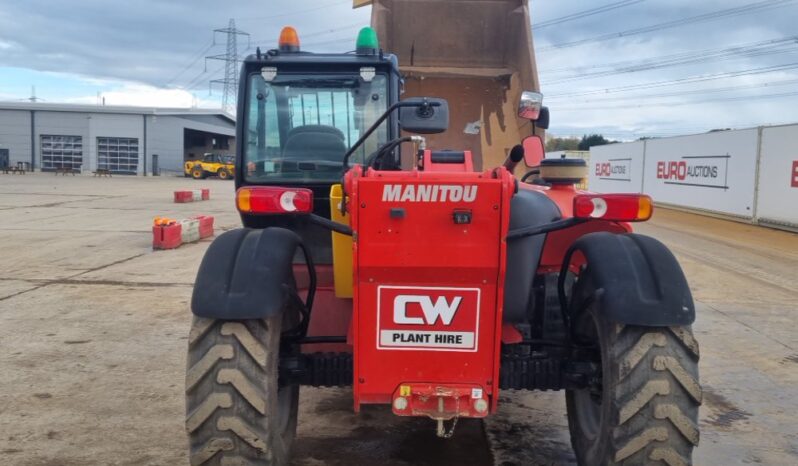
427 318
705 171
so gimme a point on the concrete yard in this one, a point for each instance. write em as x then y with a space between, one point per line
93 328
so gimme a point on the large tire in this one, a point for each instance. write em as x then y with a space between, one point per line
198 173
644 409
235 411
223 174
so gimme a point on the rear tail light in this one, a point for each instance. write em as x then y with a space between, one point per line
614 207
274 200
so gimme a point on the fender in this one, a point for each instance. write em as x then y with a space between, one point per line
246 274
527 209
638 280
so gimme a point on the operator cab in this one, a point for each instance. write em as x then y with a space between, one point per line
300 112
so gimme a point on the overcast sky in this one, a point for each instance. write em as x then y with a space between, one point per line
640 68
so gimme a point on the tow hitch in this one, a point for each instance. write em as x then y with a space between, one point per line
441 403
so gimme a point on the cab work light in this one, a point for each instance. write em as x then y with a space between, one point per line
265 200
613 207
289 40
367 42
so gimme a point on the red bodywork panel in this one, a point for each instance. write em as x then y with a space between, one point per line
429 262
425 322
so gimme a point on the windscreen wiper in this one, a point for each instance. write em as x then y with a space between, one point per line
347 83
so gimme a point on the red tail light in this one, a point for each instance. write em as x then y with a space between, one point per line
614 207
274 200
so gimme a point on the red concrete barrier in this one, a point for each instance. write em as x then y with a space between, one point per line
166 236
205 226
183 197
170 234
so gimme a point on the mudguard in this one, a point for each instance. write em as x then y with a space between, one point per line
246 274
527 208
637 279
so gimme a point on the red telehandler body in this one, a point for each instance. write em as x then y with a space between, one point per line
371 259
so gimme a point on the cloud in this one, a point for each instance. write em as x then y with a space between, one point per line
140 95
133 51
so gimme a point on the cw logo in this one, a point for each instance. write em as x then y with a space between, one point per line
441 309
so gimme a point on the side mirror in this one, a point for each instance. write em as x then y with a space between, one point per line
534 151
530 105
543 119
431 116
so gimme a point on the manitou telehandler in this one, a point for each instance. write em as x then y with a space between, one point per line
371 259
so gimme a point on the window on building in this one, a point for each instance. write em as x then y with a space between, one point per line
118 155
221 143
61 152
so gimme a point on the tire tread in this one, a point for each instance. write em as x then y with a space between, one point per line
228 397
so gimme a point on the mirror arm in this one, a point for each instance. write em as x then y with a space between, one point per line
379 121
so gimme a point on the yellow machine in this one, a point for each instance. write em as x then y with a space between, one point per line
222 166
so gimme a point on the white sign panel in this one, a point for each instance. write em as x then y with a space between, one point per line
617 168
713 171
778 176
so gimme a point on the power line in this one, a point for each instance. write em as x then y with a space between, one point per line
674 58
230 59
303 36
292 13
756 50
191 64
691 79
695 91
583 14
682 103
751 7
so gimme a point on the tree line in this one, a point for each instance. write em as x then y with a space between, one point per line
587 141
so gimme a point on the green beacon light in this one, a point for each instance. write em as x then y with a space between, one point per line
367 43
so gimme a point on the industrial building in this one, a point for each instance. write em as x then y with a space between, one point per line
122 140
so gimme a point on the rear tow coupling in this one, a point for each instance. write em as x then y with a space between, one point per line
441 403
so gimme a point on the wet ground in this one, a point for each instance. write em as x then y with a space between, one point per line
93 326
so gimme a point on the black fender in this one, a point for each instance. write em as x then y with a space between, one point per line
246 274
527 209
638 281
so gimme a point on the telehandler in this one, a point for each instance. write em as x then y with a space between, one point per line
425 279
210 165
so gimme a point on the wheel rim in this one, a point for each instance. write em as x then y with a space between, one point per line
588 401
223 174
589 409
284 395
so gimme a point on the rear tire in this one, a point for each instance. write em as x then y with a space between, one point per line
235 411
197 173
223 174
644 410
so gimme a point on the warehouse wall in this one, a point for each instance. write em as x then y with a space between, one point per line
62 124
165 138
617 168
15 134
777 200
102 125
164 134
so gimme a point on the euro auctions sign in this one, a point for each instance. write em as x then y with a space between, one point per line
709 171
615 169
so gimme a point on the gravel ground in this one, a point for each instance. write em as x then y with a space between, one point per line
93 326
